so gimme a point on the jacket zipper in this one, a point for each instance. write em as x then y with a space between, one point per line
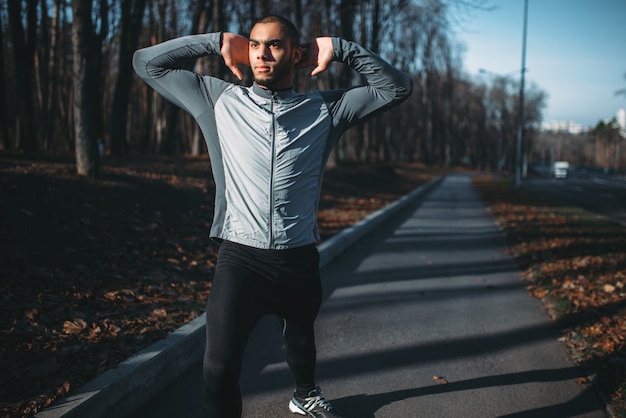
272 170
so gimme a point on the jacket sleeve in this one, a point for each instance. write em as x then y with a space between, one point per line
168 68
385 86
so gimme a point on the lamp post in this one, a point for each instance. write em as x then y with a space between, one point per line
520 114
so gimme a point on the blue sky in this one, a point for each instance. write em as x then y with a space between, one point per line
575 51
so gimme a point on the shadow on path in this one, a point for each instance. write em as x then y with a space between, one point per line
365 406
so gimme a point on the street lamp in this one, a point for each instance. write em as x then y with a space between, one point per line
520 114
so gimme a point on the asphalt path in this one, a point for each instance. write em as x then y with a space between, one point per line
424 317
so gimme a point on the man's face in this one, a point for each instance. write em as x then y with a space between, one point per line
272 57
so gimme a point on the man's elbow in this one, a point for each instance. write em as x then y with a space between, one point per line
405 88
139 62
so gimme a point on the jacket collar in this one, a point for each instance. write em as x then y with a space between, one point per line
269 94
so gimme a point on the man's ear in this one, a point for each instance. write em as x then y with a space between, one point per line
297 55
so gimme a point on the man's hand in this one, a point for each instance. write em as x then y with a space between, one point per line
234 51
317 53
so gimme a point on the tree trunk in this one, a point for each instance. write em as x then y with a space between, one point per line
88 162
42 76
4 114
132 14
23 53
202 16
50 107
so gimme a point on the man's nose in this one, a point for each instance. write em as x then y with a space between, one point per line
263 52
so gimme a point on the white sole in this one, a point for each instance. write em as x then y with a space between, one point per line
294 409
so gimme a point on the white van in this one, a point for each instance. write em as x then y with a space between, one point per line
559 169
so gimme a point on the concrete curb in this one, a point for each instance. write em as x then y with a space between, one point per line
143 375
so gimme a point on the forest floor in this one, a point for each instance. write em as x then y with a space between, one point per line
95 271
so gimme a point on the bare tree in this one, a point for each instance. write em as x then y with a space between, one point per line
24 46
608 139
131 16
4 114
50 106
84 70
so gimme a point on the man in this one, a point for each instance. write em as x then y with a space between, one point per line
268 147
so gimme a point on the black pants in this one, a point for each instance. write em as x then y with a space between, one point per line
248 284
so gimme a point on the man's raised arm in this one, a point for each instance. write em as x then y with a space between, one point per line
168 67
385 86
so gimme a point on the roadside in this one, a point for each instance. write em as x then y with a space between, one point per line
95 271
575 263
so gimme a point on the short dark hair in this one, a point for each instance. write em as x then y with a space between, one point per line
289 28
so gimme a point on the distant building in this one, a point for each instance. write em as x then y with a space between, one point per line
563 126
621 119
576 128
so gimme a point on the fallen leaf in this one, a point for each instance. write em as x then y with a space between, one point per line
74 327
440 379
159 312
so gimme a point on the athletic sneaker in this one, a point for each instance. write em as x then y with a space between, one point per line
313 405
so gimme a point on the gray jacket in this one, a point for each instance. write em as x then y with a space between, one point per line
268 148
